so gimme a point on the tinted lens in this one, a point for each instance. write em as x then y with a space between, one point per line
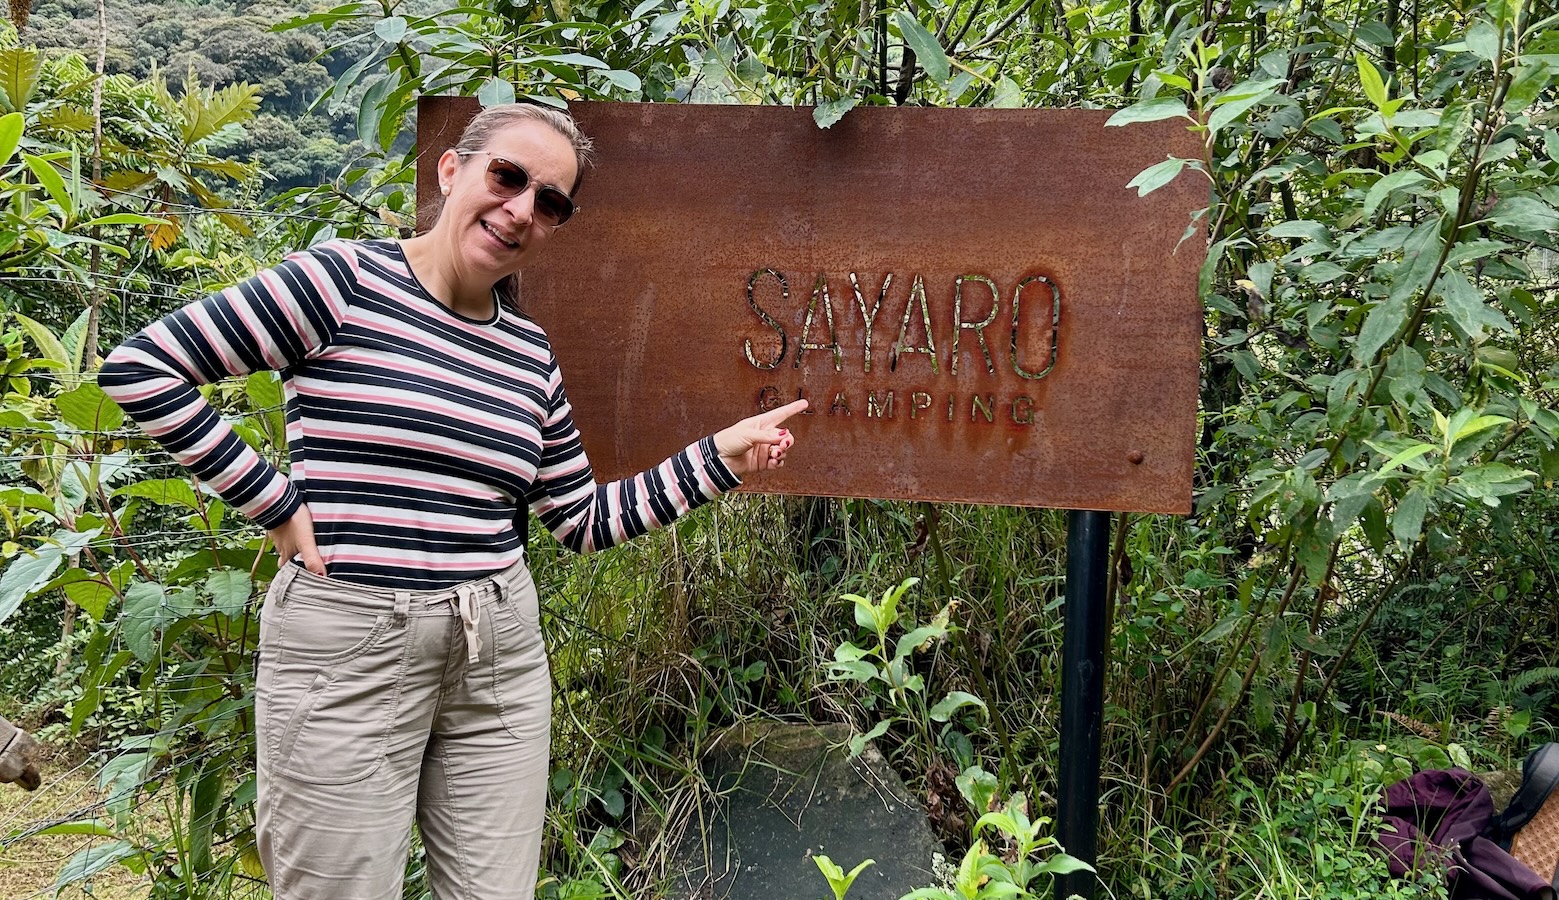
506 179
553 206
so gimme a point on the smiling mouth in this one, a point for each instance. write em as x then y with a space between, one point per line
512 245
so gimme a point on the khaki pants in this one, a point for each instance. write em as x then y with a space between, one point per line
375 706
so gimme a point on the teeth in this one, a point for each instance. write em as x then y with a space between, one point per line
494 232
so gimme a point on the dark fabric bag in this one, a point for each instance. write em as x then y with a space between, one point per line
1437 819
1529 826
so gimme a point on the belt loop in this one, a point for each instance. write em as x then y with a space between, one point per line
402 607
283 580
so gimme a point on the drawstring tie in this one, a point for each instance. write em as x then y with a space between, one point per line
470 618
466 604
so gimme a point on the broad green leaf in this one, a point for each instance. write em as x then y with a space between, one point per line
1403 458
1481 423
391 30
1375 33
29 572
954 701
1062 864
913 640
664 25
1380 326
91 595
569 59
1381 189
370 109
89 409
1407 522
1155 110
10 135
1483 40
53 182
92 861
1525 214
95 827
141 618
496 92
19 70
229 591
1464 303
48 345
164 492
927 51
1420 253
1529 82
624 80
825 114
1007 94
1492 481
1303 229
1230 109
1369 78
859 742
1156 176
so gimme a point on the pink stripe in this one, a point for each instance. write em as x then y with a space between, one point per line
326 474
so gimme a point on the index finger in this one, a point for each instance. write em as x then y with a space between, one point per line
780 414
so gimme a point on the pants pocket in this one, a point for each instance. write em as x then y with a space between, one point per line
521 684
329 688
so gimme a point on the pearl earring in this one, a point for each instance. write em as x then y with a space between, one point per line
444 189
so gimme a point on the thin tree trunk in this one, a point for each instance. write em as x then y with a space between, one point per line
89 337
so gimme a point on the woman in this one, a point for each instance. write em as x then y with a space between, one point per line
402 672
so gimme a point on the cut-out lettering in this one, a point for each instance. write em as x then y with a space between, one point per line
959 325
820 293
879 407
1023 410
1055 325
917 292
768 320
869 318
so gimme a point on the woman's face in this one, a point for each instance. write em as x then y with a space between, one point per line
494 236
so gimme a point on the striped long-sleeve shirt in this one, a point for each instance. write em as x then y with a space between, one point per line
415 435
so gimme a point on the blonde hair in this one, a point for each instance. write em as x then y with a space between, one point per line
480 130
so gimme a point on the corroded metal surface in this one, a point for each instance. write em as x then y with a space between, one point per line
974 303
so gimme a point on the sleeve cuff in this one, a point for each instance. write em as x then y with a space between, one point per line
719 473
281 510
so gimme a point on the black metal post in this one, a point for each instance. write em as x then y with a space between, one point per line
1082 695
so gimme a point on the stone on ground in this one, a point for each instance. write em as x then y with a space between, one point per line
787 793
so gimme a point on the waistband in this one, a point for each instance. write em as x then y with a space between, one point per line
464 600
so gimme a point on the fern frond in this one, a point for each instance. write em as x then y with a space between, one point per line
1530 679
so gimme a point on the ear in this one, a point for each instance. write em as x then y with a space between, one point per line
448 165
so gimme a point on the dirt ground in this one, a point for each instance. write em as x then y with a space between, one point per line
29 866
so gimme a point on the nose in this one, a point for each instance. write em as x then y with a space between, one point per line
522 206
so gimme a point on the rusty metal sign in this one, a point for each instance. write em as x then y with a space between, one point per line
975 305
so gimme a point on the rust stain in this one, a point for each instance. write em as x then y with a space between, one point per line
1084 397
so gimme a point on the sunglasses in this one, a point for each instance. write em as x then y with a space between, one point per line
508 179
